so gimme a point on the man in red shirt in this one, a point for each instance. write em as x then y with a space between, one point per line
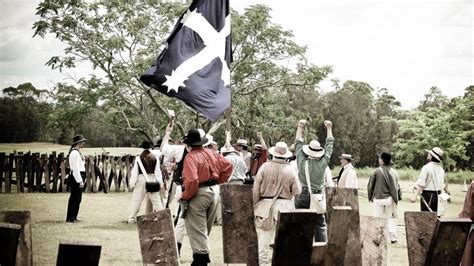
259 155
203 169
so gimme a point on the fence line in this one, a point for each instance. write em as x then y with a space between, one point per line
35 172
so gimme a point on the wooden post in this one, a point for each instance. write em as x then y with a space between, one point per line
338 236
46 175
128 171
24 254
157 241
239 236
419 228
294 237
105 163
54 172
2 169
39 172
92 173
19 173
9 173
318 255
449 239
78 253
347 197
88 175
9 237
30 160
374 242
62 166
114 173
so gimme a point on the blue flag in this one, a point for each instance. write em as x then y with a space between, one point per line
194 66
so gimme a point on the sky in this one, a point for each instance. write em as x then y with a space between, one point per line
406 46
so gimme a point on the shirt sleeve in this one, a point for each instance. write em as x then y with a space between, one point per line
328 177
225 169
157 172
371 185
353 179
190 177
328 148
74 163
423 178
295 185
256 185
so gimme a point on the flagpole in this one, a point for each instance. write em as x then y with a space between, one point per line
228 120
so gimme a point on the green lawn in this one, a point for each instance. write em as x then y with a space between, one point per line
48 148
104 217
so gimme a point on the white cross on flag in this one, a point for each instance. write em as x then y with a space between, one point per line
194 67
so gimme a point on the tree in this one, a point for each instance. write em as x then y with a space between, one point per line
433 99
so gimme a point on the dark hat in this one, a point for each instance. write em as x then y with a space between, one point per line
193 138
386 157
77 139
146 145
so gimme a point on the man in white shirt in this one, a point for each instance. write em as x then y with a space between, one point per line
75 178
430 183
348 175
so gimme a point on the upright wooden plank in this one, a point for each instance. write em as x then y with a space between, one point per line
374 241
2 169
78 253
319 253
419 228
449 239
47 175
128 170
88 181
62 167
24 254
9 173
338 235
54 172
347 197
240 242
92 173
157 241
115 174
30 159
105 164
9 237
294 237
20 178
39 172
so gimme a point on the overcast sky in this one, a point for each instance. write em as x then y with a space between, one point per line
406 46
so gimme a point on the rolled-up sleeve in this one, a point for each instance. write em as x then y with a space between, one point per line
225 169
422 179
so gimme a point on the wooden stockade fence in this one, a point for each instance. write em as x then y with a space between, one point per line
34 172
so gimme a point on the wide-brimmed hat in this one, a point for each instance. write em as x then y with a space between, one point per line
146 145
386 157
314 149
193 138
346 156
210 140
258 146
225 150
77 139
436 152
242 142
280 150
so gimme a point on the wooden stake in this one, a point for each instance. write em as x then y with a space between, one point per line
24 253
374 241
9 237
78 253
419 227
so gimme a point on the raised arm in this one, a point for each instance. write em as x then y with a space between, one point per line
299 130
328 125
166 137
262 141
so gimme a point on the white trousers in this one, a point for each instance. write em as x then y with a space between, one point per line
138 195
386 208
266 237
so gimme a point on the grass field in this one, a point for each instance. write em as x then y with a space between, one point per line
48 148
104 221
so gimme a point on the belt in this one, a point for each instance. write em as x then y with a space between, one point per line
208 183
272 198
314 191
432 191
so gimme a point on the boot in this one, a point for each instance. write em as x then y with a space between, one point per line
179 249
200 260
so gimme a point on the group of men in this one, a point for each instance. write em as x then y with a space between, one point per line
284 178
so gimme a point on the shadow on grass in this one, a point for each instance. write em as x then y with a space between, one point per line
122 225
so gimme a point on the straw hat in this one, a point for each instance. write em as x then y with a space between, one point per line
280 150
314 149
225 150
436 152
346 156
242 142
